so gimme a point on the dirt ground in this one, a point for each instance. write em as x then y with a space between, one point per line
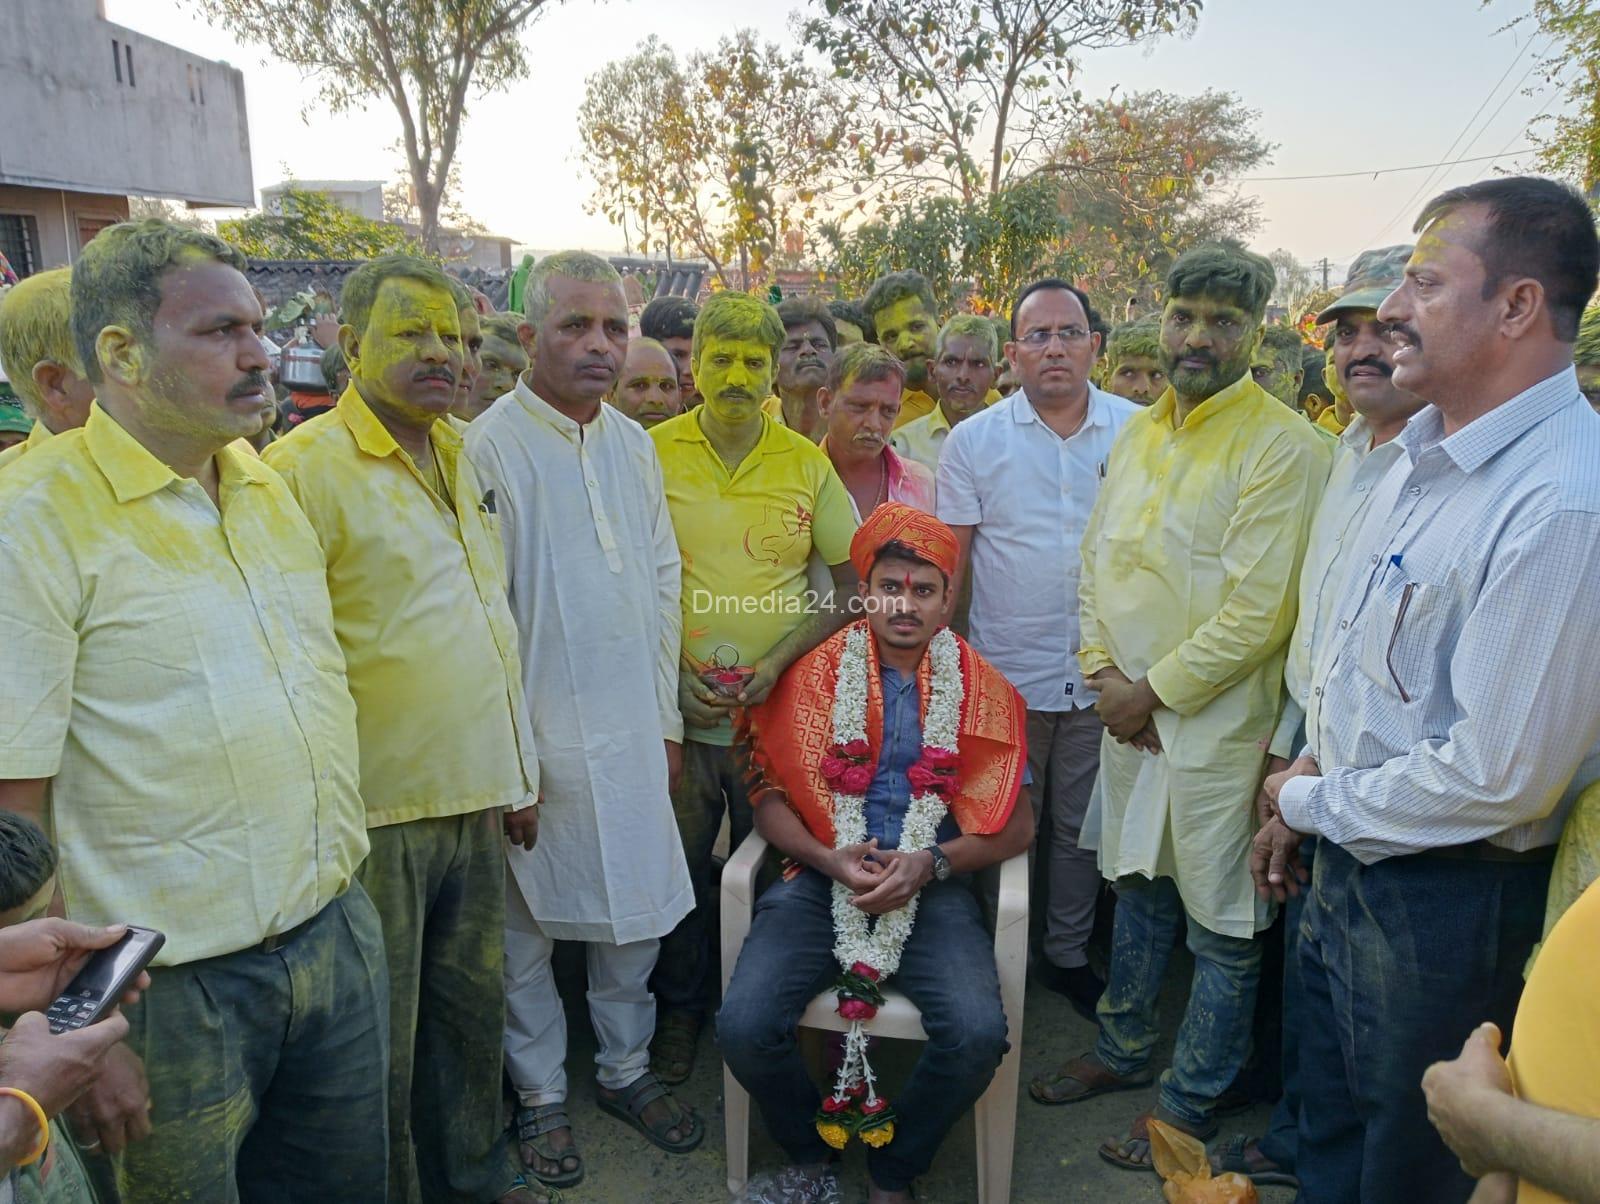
1055 1147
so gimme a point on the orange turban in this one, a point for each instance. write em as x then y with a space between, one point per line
895 522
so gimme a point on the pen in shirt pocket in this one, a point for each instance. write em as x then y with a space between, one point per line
1101 469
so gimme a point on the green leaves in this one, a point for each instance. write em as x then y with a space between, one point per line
313 226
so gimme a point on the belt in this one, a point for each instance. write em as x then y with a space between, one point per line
279 939
1482 850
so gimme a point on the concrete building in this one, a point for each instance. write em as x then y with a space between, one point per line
95 113
363 197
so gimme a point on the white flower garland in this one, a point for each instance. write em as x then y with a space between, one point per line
855 1105
856 938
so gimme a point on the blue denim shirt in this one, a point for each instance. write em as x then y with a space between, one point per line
890 793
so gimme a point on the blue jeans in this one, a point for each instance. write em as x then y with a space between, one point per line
947 970
1400 961
1214 1038
1281 1142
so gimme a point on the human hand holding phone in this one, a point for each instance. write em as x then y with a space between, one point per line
39 958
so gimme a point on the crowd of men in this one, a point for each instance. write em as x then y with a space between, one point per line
366 701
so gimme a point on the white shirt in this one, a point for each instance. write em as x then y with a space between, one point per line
1357 469
594 578
1457 698
1028 492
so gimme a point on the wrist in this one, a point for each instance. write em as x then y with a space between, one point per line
19 1131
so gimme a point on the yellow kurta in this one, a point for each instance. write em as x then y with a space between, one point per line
172 667
36 436
419 605
1191 564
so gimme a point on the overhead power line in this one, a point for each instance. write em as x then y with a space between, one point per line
1382 171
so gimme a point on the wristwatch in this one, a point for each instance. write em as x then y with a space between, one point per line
941 863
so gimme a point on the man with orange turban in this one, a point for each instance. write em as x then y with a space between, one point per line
888 764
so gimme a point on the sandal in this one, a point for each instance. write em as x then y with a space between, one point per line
627 1104
1088 1077
672 1050
1242 1155
1132 1153
523 1192
532 1124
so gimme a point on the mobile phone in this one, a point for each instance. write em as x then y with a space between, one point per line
99 984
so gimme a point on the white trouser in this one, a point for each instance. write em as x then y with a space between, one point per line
621 1008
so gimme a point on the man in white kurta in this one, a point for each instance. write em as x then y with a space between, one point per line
1187 599
594 578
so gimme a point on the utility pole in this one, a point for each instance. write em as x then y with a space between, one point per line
1325 266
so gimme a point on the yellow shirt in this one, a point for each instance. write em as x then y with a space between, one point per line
745 538
1191 565
174 670
1328 420
923 439
419 605
1555 1043
914 403
36 436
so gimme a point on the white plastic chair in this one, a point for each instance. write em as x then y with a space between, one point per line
995 1114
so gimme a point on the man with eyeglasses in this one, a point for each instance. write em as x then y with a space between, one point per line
964 362
1017 483
810 337
1190 567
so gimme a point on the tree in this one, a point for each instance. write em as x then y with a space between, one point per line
1146 176
722 156
1129 185
310 225
423 56
635 127
1569 143
400 204
1297 283
975 89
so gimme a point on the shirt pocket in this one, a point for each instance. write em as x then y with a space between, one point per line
1401 643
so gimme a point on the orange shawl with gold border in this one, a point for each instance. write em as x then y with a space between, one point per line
788 735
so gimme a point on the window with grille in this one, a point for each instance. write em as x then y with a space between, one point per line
19 242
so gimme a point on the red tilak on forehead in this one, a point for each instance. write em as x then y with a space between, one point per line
907 580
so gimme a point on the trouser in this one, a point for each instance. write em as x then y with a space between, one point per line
947 969
438 885
268 1071
1281 1142
1400 961
620 1006
1214 1037
712 783
57 1178
1063 759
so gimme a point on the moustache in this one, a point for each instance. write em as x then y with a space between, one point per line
255 382
1408 333
443 374
1370 361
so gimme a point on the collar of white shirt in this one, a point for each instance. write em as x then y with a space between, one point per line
1022 411
1471 447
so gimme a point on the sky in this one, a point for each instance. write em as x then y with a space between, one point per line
1354 87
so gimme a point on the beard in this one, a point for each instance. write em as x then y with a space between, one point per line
1206 381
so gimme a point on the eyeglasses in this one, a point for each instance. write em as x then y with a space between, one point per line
1040 339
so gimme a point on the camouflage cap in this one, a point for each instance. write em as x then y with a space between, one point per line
1373 276
12 418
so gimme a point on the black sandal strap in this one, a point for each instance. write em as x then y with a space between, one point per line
536 1121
